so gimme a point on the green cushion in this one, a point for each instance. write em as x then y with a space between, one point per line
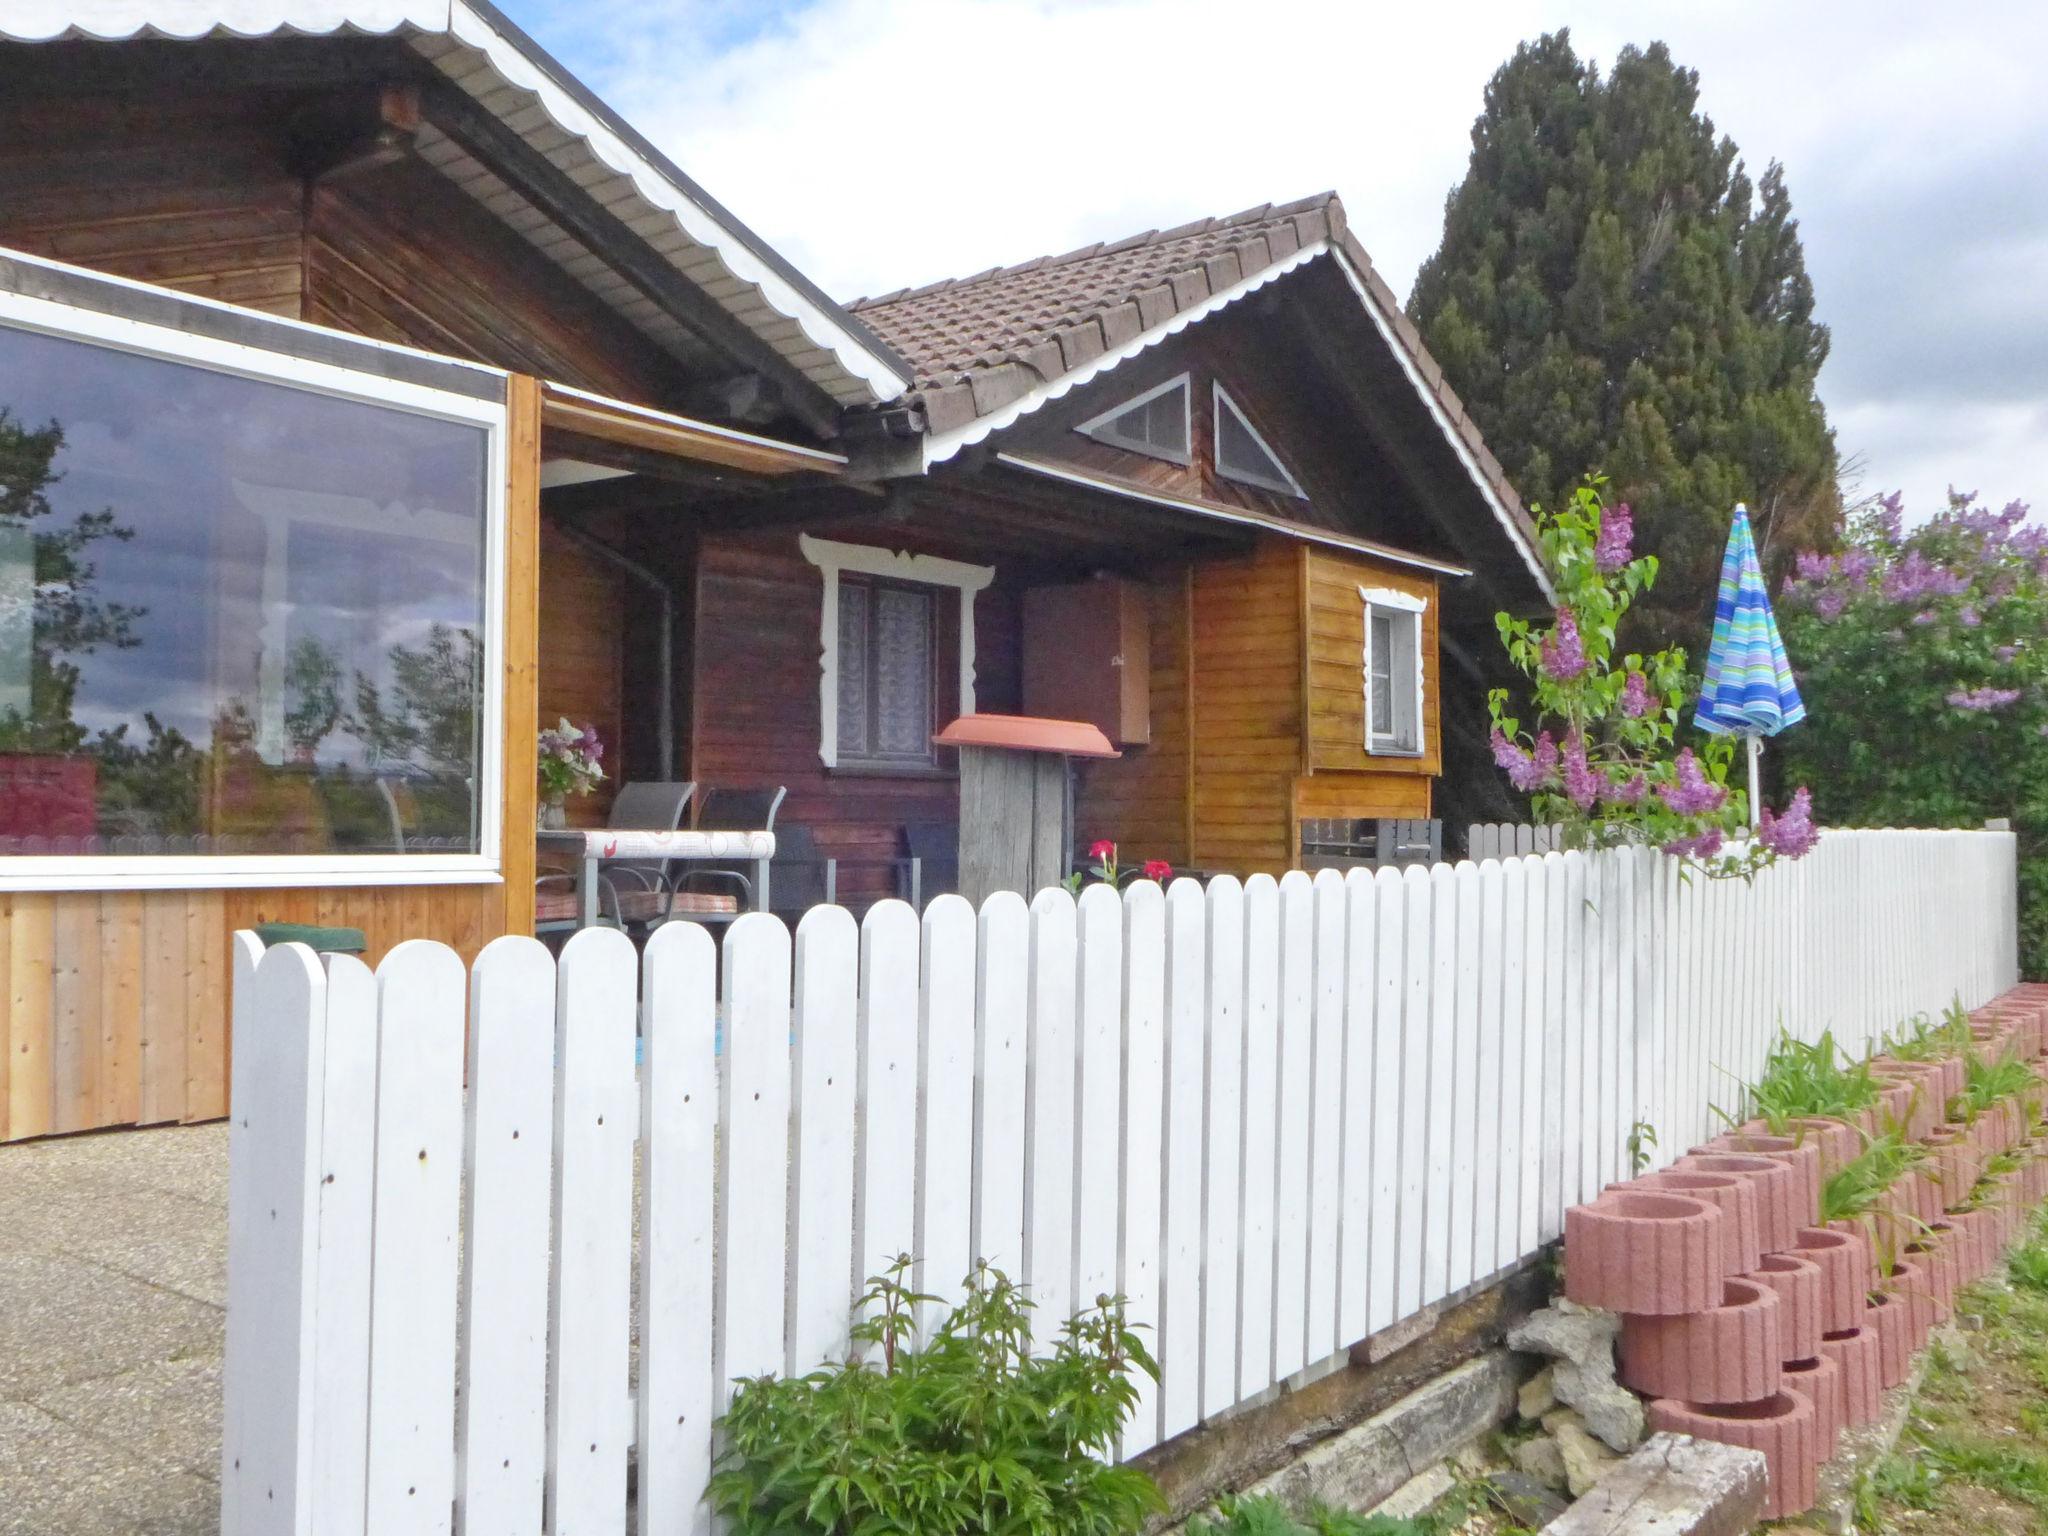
326 941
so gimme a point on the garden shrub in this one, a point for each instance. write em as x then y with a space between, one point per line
968 1432
1922 655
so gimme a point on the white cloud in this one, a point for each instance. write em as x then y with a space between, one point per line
879 143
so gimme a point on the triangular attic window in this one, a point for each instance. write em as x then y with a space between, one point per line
1155 423
1242 455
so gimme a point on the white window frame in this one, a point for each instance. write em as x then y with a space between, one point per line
89 872
1406 606
832 557
1286 485
1099 428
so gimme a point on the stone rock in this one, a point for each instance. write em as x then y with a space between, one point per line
1674 1486
1530 1500
1540 1459
1564 1330
1586 1460
1538 1395
1580 1340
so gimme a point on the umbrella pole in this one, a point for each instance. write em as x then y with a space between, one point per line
1756 756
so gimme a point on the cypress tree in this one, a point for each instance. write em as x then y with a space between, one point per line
1614 294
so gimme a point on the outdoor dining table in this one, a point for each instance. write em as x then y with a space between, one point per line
591 847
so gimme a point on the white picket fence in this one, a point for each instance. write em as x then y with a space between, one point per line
1279 1116
1505 839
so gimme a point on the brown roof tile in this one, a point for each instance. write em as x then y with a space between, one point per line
977 343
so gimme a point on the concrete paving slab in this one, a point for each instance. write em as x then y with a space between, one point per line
166 1413
58 1480
159 1238
65 1319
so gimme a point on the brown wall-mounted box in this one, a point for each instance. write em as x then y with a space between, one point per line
1088 656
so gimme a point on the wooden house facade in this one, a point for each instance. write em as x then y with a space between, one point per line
371 397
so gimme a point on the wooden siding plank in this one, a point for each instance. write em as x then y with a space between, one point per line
206 1016
161 1050
120 978
75 1012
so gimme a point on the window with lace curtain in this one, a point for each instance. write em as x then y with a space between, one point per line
888 645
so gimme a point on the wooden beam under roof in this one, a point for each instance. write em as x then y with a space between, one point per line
559 198
661 433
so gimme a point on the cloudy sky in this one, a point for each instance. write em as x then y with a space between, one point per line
883 142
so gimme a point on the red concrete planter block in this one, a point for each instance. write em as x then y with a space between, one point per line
1956 1161
1921 1105
1843 1259
1803 1158
1859 1374
1734 1196
1914 1288
1938 1267
1976 1244
1819 1381
1784 1427
1889 1320
1658 1255
1725 1354
1835 1140
1798 1282
1777 1192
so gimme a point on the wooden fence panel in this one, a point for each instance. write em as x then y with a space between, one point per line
1277 1116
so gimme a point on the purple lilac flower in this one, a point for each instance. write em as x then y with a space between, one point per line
1629 791
1617 533
1979 700
1791 835
1564 653
1526 770
1916 578
1635 696
2006 652
1829 604
1581 782
1692 795
1969 618
1890 512
1856 566
1702 845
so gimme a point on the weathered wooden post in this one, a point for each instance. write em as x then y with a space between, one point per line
1017 799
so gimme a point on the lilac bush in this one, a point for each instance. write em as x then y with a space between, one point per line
1923 659
1602 761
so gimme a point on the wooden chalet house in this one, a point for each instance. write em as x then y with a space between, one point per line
371 396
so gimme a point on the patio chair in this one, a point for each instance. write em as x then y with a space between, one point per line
930 865
799 878
726 810
630 892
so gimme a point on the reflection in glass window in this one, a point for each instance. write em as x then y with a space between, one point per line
235 616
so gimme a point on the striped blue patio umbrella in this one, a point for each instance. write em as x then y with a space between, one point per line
1749 690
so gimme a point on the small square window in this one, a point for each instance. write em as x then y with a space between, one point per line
1393 674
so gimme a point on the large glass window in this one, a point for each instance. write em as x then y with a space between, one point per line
236 617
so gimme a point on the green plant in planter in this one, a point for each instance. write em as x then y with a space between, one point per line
971 1432
1986 1084
1818 1080
1921 1039
1852 1191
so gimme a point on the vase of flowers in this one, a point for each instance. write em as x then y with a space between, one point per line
571 763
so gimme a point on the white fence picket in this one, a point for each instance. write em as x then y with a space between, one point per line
1141 1157
1222 1144
678 1396
1182 1156
1049 1126
1294 1125
944 1240
411 1463
823 1107
1261 1120
753 1169
1002 1032
885 1196
1278 1117
341 1426
274 1168
509 1153
1098 1053
597 1109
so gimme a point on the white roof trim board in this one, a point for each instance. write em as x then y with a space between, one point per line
814 334
1502 513
942 446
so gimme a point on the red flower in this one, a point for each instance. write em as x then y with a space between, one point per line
1158 869
1102 849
